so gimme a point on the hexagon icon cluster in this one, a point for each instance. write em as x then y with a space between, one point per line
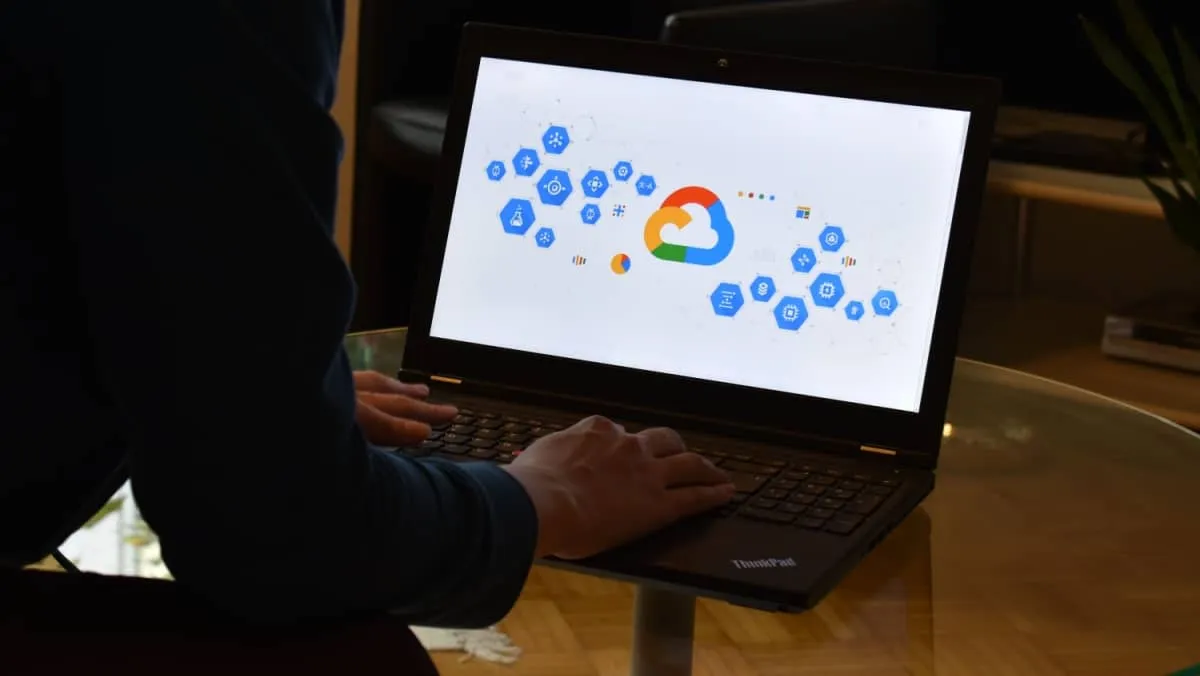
590 214
544 238
884 303
762 289
556 139
827 290
554 187
526 162
804 259
832 238
594 184
727 299
495 170
517 216
623 171
790 313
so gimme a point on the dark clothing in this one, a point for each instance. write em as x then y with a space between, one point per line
172 309
52 623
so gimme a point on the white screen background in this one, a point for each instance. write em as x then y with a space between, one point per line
886 173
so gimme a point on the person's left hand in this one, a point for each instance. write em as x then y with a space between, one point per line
392 413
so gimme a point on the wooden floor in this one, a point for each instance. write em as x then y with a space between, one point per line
878 623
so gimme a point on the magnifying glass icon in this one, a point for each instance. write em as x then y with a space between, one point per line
885 303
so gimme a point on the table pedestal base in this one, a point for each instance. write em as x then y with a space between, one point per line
663 629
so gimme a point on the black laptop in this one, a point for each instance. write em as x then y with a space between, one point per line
769 255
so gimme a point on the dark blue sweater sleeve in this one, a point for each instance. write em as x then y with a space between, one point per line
201 168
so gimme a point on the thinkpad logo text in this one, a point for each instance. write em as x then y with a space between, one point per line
743 564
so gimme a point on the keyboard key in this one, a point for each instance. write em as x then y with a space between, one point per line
864 504
818 513
463 429
429 445
831 503
482 453
488 434
488 415
515 438
764 515
851 485
504 458
542 431
802 498
812 489
742 458
784 484
829 471
776 463
481 443
747 483
457 449
793 475
739 466
763 503
822 480
515 427
791 508
775 493
489 423
842 494
811 522
462 419
865 478
455 438
890 483
878 490
805 467
843 524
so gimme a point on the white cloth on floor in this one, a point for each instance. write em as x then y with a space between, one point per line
488 644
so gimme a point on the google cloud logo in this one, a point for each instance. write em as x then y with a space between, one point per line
672 213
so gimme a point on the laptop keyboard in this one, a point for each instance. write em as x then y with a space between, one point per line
801 494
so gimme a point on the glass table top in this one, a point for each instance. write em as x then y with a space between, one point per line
1063 538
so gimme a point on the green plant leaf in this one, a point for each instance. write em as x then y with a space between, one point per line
1142 35
1191 71
1121 68
1181 211
113 505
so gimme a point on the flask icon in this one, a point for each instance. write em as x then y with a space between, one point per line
517 219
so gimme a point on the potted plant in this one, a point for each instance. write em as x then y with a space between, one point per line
1166 82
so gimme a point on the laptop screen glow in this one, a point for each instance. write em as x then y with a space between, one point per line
775 240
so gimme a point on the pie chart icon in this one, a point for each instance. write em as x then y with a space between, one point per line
620 264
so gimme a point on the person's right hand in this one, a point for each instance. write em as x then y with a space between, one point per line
595 486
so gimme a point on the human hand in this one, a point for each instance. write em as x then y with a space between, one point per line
392 413
595 486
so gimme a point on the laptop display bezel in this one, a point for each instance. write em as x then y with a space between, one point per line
910 433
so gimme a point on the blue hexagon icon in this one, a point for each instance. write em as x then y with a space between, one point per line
590 213
762 288
832 238
556 139
790 313
594 183
646 185
495 170
544 238
517 216
623 171
804 260
855 310
727 299
827 290
884 303
554 187
526 162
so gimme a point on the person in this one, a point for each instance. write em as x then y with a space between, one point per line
173 308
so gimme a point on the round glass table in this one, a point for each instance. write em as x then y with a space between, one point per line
1063 538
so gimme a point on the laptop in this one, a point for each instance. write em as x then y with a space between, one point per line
768 255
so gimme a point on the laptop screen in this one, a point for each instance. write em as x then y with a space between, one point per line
775 240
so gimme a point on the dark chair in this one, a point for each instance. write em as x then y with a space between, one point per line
896 33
